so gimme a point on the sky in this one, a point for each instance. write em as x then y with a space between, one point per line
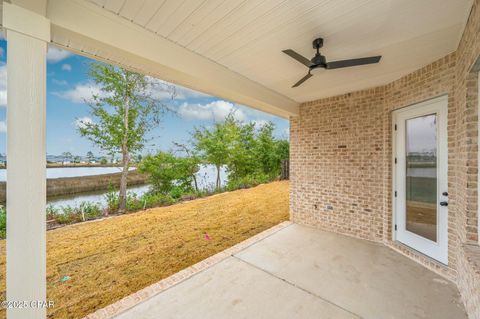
68 87
421 134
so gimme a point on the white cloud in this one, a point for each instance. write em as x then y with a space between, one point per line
3 127
81 93
217 111
66 67
158 89
3 85
259 123
163 90
82 122
59 82
55 55
182 93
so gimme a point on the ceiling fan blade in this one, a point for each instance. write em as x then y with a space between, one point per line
300 58
306 77
353 62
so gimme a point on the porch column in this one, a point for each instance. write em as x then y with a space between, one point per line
27 36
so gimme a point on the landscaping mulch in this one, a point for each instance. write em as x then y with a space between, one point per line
91 265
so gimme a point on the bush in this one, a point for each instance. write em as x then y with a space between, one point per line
112 199
176 192
249 181
89 210
152 199
133 203
166 172
3 223
68 215
52 212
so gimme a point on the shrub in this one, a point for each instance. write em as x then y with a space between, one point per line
248 181
89 210
3 223
112 199
176 192
52 212
68 215
133 202
152 199
166 172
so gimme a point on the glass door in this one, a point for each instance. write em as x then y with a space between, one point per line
420 177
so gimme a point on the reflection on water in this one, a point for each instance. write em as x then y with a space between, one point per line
94 197
206 177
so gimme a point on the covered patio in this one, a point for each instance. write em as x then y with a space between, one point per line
296 271
383 155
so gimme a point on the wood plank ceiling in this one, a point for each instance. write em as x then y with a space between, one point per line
247 36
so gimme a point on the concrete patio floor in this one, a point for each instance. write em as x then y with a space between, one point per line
300 272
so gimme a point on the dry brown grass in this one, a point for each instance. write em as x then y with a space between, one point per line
112 258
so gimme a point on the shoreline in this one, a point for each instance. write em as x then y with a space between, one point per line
82 184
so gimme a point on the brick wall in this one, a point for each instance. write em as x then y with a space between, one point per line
336 149
341 150
467 250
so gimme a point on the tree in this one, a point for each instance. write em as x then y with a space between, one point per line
241 160
192 161
67 156
282 150
76 159
138 158
267 152
167 171
90 157
123 112
214 144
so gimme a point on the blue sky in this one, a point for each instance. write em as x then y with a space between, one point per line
68 86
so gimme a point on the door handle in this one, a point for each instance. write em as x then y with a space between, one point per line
443 203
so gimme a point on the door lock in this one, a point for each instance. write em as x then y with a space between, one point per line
445 193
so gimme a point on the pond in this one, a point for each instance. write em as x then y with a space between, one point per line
58 172
206 177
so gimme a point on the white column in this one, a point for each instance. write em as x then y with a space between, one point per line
27 35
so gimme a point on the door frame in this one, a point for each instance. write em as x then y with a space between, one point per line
441 253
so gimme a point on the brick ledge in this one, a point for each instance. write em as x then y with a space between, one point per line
424 260
472 254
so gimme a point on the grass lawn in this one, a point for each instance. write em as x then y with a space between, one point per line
112 258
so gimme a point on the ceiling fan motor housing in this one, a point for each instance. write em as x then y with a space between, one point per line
317 43
319 60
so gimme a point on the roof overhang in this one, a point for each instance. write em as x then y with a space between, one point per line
233 50
89 30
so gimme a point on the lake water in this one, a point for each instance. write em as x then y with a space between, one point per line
429 172
206 178
58 172
94 197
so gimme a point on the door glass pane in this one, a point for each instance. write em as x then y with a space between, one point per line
421 184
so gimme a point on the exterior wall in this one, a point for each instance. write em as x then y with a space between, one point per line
466 221
336 150
341 160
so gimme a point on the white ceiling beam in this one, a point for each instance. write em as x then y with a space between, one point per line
87 28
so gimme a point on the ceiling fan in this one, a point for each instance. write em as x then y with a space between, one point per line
319 62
